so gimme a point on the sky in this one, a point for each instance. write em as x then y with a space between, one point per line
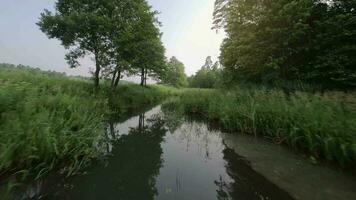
186 29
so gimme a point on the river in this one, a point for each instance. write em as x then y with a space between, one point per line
162 155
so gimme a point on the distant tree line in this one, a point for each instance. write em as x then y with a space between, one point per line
269 41
209 76
123 37
6 66
175 75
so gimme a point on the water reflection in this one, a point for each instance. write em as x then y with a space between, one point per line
247 183
161 154
130 173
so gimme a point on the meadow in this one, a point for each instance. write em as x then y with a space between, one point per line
320 125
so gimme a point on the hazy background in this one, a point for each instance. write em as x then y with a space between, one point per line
186 31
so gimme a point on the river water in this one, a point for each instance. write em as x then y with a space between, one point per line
162 155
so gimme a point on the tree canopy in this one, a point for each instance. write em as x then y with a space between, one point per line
209 76
175 74
120 34
268 41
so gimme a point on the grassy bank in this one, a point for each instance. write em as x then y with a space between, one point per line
52 122
321 125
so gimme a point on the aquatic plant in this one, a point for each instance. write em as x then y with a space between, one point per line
323 125
49 121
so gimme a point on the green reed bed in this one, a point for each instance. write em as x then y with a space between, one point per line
52 122
47 120
130 97
322 125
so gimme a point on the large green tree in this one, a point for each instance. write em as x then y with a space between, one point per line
283 40
207 77
81 27
175 74
139 49
148 48
121 35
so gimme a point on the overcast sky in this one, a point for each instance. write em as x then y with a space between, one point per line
186 31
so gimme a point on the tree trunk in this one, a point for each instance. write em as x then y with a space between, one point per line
96 76
141 122
97 72
113 79
118 78
146 77
142 76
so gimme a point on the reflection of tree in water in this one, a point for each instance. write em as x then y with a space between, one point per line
248 184
132 170
173 114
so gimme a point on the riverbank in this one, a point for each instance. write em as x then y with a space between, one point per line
183 156
291 172
49 121
320 125
53 123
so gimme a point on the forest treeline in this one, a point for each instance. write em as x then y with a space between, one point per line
280 41
276 52
208 76
268 42
122 36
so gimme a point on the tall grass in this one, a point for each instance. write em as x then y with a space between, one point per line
52 122
130 96
323 125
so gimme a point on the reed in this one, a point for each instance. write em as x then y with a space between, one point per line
323 125
49 121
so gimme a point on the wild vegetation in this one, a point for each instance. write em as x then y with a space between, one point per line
53 122
49 121
322 125
175 75
122 36
274 42
209 76
280 60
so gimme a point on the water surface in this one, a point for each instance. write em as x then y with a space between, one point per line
159 155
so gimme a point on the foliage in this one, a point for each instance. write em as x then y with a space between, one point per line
175 75
148 48
275 41
122 35
73 24
132 96
49 121
209 76
323 125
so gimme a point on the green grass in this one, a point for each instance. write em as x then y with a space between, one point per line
321 125
130 97
52 122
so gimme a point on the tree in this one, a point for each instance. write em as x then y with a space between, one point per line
207 77
140 49
148 49
208 63
175 74
81 27
308 40
122 35
123 18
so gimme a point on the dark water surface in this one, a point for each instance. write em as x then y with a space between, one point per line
157 155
